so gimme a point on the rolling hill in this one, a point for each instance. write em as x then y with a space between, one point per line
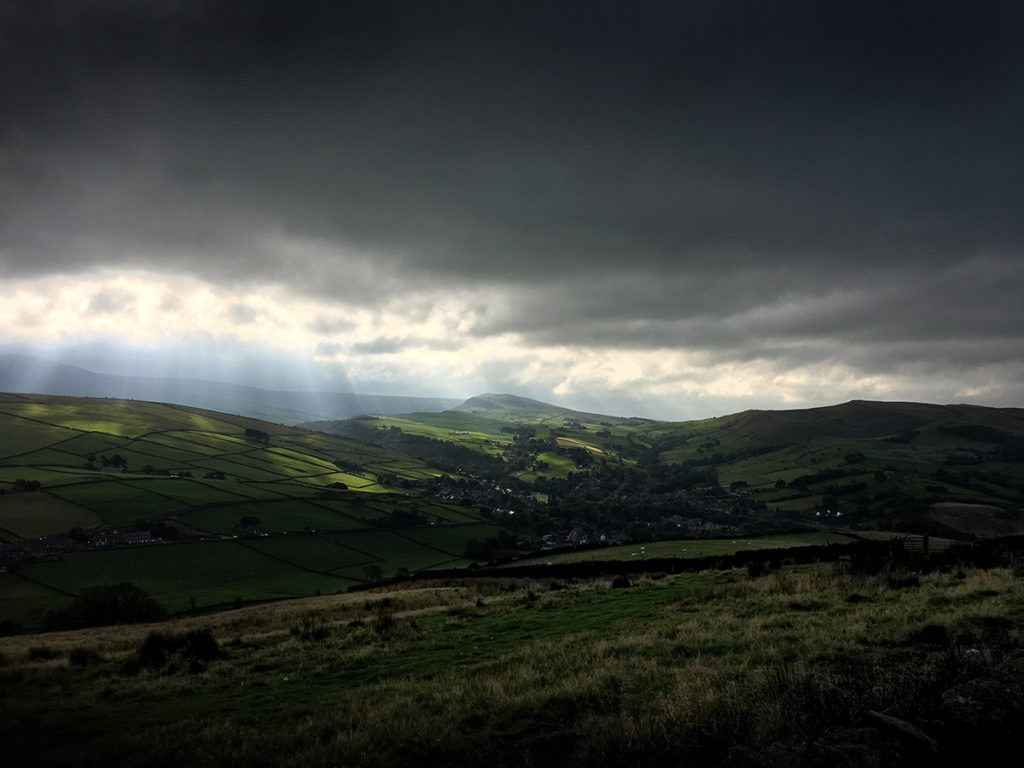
203 508
865 463
220 509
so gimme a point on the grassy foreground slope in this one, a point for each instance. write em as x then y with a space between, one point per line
813 666
242 509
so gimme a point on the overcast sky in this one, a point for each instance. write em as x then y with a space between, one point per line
670 209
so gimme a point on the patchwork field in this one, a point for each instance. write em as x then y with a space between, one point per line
83 466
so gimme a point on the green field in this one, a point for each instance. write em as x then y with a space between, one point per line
30 515
211 573
117 502
27 603
690 548
274 516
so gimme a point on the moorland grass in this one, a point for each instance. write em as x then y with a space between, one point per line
678 670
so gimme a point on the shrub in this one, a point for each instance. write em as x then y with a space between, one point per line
81 657
42 653
172 653
756 568
384 621
311 628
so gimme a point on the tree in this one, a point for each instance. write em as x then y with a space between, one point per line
373 572
107 604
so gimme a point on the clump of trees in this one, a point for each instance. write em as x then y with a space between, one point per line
104 605
258 435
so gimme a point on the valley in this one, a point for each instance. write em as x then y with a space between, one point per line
509 583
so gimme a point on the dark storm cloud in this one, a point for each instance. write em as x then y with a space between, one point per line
728 176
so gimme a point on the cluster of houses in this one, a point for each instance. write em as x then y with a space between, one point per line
51 547
120 538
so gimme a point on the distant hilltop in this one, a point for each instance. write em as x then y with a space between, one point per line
24 373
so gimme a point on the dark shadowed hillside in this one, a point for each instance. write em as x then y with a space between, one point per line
865 419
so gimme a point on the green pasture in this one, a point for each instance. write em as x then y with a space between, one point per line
39 513
478 433
47 457
248 489
281 465
214 572
318 552
289 488
114 417
27 603
251 460
275 517
19 436
198 451
187 491
219 444
137 460
570 442
294 467
48 476
118 502
691 548
452 538
332 447
355 482
394 550
450 513
379 505
235 470
154 450
408 468
93 443
362 512
291 455
410 543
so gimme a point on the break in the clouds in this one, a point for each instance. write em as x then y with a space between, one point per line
672 209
